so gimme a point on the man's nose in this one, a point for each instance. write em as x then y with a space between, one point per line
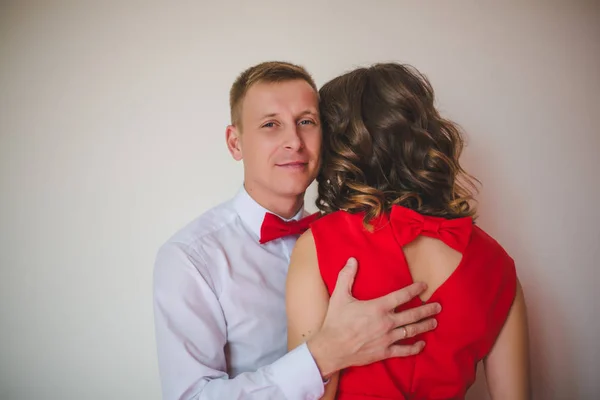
293 140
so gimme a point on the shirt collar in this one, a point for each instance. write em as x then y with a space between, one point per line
253 214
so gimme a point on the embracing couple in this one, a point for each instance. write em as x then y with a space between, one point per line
390 291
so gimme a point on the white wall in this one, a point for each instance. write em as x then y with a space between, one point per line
112 119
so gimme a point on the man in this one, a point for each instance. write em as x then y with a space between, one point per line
220 281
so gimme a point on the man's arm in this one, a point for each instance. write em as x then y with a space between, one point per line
191 337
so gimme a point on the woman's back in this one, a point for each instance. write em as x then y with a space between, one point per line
474 281
389 159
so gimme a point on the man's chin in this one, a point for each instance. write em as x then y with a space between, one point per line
292 190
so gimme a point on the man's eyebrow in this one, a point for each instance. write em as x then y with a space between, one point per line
309 112
303 113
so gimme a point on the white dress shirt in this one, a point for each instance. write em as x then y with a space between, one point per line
219 303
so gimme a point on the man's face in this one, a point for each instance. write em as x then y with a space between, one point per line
280 138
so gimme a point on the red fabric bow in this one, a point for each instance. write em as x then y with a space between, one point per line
274 227
409 224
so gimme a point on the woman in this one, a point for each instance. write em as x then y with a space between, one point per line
393 195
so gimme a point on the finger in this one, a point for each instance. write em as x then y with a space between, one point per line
345 280
413 315
392 300
404 350
413 330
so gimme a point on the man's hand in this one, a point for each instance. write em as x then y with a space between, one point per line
362 332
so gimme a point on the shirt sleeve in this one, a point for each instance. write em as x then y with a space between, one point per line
191 336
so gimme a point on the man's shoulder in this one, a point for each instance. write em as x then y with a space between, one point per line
203 229
185 257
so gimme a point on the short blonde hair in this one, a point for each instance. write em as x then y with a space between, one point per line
266 72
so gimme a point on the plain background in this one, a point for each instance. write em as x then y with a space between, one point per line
112 119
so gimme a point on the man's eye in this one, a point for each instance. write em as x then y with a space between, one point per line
269 125
306 122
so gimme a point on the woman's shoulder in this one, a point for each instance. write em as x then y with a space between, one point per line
489 248
337 219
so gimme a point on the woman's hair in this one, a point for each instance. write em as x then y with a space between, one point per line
384 143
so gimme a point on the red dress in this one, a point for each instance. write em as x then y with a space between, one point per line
475 300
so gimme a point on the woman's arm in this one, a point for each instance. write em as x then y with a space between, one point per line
307 299
507 365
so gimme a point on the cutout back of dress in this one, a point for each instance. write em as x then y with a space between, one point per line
467 272
431 261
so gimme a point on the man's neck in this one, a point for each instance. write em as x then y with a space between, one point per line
285 207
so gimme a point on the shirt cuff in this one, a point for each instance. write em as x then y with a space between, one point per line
298 376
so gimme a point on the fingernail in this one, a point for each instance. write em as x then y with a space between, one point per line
438 308
435 323
352 262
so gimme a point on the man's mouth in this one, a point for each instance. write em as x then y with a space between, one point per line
294 165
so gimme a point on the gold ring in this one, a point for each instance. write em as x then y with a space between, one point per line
405 333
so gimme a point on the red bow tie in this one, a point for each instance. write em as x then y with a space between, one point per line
409 224
274 227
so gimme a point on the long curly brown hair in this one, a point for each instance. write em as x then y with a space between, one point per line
385 143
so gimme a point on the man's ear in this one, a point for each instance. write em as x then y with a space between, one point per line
234 144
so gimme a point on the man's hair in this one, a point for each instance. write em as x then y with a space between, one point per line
384 143
266 72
